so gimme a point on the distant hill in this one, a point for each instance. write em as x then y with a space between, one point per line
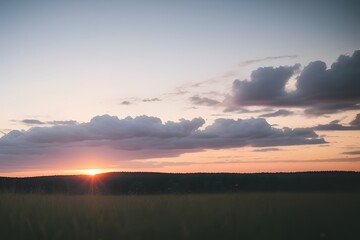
161 183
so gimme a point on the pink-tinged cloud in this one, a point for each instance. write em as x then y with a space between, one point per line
145 137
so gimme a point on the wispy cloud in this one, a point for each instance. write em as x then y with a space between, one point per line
247 110
157 164
357 159
278 113
126 102
33 122
133 100
352 153
252 61
204 101
267 150
151 100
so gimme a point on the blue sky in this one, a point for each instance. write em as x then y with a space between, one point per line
73 60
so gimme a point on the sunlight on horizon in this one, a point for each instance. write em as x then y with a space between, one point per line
92 172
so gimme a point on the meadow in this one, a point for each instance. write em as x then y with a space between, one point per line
185 216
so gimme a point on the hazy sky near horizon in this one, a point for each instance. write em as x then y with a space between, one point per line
259 86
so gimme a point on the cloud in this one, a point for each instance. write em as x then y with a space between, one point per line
32 122
56 122
133 100
336 126
67 122
319 89
205 101
148 137
352 152
248 62
151 100
278 113
4 131
247 110
321 109
267 150
356 121
126 102
266 88
332 160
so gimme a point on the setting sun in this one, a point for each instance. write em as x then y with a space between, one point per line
92 172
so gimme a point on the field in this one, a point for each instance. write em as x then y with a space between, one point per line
199 216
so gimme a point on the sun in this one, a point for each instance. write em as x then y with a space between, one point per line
92 172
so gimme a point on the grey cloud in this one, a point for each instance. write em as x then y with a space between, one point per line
352 152
248 62
356 159
125 103
267 87
267 150
278 113
336 126
356 121
148 137
56 122
247 110
151 100
133 100
152 164
67 122
319 89
325 108
205 101
32 122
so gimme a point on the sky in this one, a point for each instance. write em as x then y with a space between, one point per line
179 86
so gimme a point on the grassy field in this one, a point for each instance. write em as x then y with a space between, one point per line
223 216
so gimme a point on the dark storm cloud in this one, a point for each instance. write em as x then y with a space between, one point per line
336 126
205 101
148 137
319 89
278 113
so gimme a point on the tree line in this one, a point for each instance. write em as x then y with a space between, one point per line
163 183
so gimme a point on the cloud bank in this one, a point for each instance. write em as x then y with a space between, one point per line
319 89
148 137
